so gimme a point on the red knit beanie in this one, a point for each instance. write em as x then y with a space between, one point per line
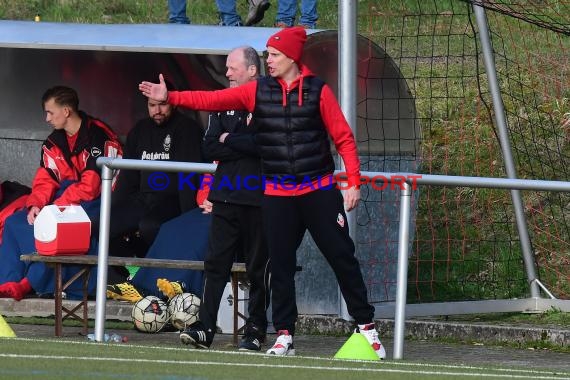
289 41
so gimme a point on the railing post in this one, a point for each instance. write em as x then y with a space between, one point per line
103 253
347 92
402 279
501 120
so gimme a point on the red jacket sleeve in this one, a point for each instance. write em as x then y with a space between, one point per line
44 188
86 189
341 134
236 98
204 190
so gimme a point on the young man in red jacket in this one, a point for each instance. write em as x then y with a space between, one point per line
68 175
295 113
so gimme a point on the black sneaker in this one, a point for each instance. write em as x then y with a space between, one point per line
252 338
197 336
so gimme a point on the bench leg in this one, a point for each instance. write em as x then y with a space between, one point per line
70 313
236 309
85 297
58 300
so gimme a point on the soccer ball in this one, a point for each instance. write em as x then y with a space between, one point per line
150 314
183 309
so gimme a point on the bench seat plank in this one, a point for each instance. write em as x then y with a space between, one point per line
124 261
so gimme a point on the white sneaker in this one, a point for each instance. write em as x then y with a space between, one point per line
283 345
371 335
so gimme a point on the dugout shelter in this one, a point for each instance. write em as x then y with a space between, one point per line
105 63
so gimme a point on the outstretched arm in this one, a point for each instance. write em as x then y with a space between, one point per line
155 91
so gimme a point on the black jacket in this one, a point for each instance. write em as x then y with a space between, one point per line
179 139
238 177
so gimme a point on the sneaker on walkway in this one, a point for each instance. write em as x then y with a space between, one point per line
283 345
170 288
252 338
197 335
257 10
371 335
124 291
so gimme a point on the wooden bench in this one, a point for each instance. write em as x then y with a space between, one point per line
62 313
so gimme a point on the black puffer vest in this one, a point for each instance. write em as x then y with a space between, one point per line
292 139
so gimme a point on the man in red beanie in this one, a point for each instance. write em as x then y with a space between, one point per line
294 113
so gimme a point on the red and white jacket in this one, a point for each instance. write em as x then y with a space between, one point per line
58 164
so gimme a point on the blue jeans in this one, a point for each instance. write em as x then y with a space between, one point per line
287 11
184 237
177 12
228 13
18 239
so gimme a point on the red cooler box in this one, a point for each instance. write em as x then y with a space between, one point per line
62 230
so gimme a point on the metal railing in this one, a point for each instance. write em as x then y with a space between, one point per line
405 182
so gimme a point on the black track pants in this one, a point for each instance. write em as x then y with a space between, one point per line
236 233
285 222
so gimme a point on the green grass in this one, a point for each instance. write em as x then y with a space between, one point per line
138 11
552 317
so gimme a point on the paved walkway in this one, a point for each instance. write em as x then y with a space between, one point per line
326 346
420 348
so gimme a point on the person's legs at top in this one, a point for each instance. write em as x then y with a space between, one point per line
286 13
309 15
256 12
228 13
324 215
177 12
256 256
284 231
222 244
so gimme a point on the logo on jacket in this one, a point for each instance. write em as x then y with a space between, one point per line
95 151
155 155
340 220
166 143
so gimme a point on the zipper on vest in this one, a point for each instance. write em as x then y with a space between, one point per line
290 134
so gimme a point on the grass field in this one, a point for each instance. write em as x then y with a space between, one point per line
63 359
